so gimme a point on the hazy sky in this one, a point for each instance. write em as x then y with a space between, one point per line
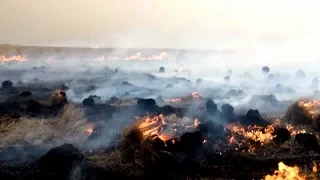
159 23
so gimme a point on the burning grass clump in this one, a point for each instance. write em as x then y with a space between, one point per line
250 135
285 172
57 98
297 114
306 113
134 157
69 126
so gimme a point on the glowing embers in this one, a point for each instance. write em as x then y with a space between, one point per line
165 128
4 59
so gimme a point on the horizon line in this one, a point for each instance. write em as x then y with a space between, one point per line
106 47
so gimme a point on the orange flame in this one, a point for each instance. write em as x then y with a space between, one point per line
162 56
57 93
158 126
293 131
4 59
285 172
138 56
196 123
204 141
90 130
313 107
314 167
254 133
133 57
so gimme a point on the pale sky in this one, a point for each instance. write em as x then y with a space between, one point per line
159 23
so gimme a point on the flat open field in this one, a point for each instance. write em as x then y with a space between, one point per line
66 113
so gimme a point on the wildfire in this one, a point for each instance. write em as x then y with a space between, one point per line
90 130
196 123
132 57
313 107
162 56
254 133
285 172
315 167
4 59
57 92
204 141
157 126
293 131
195 95
175 100
192 96
138 56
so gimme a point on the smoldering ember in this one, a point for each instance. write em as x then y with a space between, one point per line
103 119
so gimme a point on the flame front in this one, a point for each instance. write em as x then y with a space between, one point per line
4 59
133 57
254 133
138 56
162 56
285 172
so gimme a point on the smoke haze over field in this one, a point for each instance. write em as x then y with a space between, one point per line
270 32
159 24
281 34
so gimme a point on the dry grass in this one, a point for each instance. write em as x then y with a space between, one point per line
69 126
272 116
